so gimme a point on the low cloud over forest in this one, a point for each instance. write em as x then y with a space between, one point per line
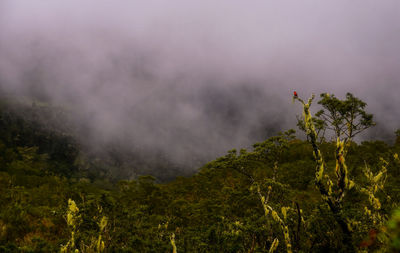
193 80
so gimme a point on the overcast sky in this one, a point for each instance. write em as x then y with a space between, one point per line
200 77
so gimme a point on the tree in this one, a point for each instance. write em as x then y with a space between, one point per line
267 153
346 118
397 133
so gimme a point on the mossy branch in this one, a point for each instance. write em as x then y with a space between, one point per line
332 198
173 244
281 221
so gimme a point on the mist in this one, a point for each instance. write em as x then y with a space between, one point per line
194 79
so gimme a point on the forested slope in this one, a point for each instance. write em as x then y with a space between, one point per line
256 200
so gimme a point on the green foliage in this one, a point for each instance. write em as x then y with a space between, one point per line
346 118
255 200
394 230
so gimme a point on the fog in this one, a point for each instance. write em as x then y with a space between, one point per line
194 79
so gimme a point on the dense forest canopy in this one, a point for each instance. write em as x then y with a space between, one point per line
285 194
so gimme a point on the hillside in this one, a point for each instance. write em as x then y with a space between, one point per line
69 144
51 196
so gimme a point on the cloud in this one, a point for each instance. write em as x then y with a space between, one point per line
194 79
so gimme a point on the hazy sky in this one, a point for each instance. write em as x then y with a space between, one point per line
196 78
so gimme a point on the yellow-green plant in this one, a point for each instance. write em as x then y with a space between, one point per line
376 182
324 184
274 246
276 217
163 230
102 226
73 220
97 244
173 244
280 220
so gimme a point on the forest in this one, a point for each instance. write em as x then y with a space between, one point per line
326 192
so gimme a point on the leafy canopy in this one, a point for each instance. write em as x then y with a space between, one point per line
345 118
